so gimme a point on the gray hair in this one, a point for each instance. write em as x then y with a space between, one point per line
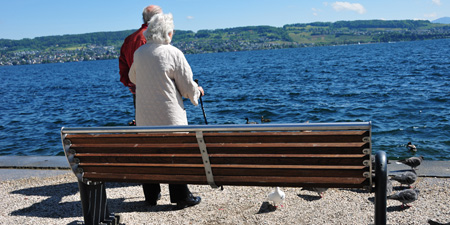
150 11
159 28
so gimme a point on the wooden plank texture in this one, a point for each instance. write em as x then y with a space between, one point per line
291 159
348 182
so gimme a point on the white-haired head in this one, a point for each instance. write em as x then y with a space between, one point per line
160 29
150 11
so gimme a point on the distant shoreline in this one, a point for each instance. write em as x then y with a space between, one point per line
106 45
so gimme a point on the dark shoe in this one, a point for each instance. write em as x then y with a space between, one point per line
153 202
190 201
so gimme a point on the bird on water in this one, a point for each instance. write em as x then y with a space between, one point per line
250 122
265 120
411 147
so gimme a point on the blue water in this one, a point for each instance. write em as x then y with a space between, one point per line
403 88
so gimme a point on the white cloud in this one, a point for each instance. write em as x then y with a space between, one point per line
316 11
431 15
190 17
437 2
342 6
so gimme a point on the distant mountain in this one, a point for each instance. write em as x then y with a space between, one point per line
445 20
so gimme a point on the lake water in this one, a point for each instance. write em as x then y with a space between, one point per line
403 88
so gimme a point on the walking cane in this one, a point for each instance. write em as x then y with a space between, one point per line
201 103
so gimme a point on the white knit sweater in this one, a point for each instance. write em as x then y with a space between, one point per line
163 77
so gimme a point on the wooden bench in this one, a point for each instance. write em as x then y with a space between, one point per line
333 155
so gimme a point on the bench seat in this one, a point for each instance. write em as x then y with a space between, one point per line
332 155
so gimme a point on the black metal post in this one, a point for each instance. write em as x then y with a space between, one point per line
380 188
93 202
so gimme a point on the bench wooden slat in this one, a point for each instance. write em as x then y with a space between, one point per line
253 159
287 137
243 170
233 180
127 155
266 148
318 150
132 138
318 167
263 137
223 145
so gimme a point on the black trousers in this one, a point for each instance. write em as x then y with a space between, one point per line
178 192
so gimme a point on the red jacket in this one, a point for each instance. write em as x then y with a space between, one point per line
129 46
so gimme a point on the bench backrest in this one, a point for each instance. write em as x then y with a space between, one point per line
290 155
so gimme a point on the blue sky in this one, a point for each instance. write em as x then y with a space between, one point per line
31 18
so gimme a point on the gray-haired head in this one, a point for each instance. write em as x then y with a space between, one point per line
150 11
160 29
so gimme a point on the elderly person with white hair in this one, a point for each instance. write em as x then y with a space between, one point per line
163 77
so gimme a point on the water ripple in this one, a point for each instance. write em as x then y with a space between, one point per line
402 88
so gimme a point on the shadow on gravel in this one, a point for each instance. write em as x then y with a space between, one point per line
309 198
266 207
76 222
397 208
52 206
399 171
120 206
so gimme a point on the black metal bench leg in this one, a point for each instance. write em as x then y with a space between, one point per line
93 202
380 188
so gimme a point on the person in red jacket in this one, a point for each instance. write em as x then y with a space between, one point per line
130 45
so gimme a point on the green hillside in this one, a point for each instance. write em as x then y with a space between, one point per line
106 45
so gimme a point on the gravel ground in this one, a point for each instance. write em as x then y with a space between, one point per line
55 200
